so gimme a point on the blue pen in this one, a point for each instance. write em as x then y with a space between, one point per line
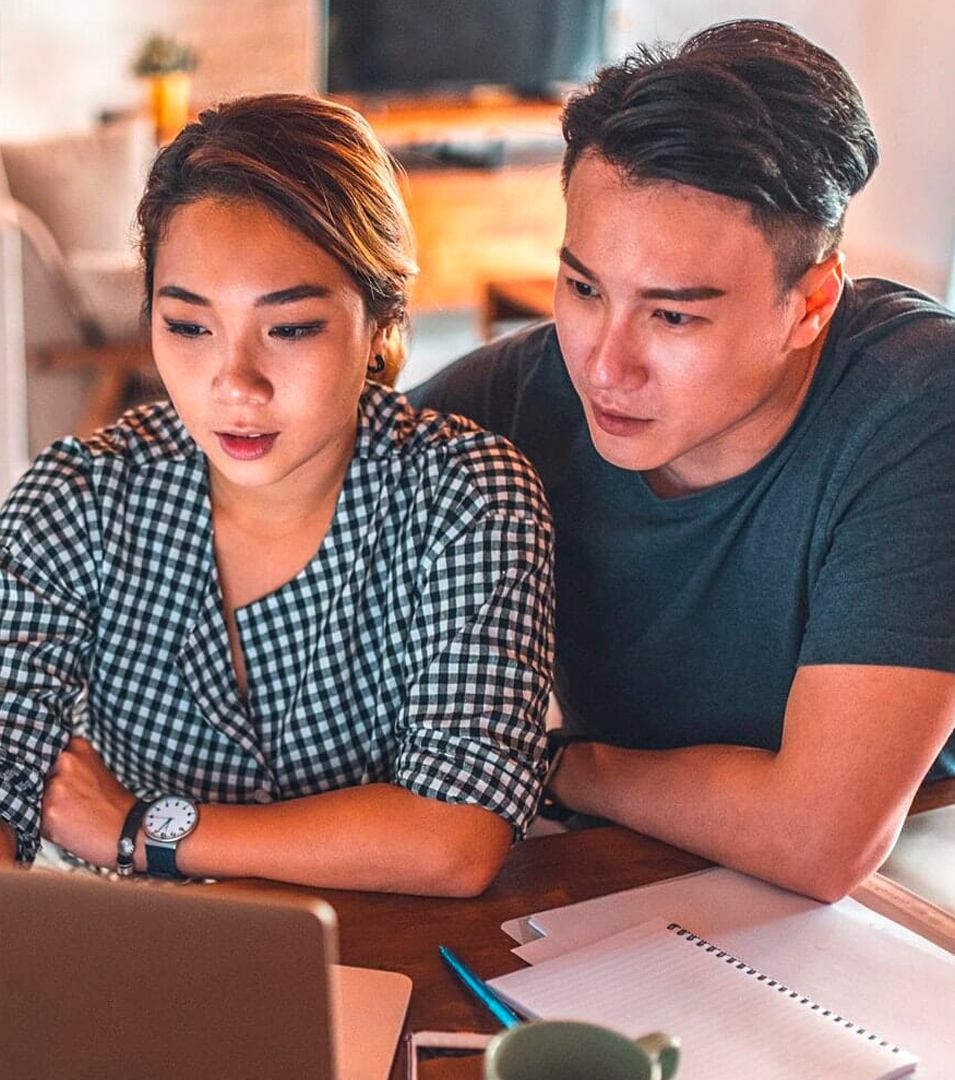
480 989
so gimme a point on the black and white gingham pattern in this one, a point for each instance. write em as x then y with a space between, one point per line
416 647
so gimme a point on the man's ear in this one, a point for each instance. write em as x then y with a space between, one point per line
818 292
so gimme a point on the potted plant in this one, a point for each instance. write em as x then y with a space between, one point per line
168 66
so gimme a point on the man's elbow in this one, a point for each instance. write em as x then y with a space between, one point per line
830 869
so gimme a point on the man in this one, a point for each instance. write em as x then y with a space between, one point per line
750 459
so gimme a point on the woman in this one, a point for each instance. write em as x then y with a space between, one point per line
312 626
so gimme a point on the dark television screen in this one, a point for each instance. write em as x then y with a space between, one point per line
414 46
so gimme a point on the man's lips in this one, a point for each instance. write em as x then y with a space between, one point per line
614 423
246 447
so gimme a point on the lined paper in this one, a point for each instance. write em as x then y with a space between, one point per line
733 1024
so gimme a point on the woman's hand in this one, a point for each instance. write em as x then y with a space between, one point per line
84 805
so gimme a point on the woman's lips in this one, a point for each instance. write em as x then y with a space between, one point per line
615 424
246 447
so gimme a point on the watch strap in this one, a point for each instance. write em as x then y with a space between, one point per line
161 860
126 847
558 739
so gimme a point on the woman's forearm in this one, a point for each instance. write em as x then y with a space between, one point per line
377 837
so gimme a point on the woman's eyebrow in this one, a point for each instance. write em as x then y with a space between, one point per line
291 295
281 296
174 292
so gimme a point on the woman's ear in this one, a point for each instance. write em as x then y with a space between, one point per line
379 343
819 291
387 354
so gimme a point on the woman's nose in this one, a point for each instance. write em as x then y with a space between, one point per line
239 380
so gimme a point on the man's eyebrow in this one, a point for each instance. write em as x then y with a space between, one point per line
291 295
692 292
571 260
683 295
175 293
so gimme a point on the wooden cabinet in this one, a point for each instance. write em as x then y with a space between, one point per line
501 220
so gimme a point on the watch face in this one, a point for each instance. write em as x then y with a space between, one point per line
170 818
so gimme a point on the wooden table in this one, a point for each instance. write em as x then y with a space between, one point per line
402 933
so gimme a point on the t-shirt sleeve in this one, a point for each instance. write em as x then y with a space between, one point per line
495 386
884 591
47 596
481 643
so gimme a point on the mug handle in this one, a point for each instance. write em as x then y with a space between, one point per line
663 1051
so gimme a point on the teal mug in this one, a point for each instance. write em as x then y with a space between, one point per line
570 1050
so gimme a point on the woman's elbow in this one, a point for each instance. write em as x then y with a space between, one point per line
467 867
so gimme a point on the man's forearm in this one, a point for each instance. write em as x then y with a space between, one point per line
734 805
819 815
8 843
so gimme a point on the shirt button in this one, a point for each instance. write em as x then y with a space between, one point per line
262 795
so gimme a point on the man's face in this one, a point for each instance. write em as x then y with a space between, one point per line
675 335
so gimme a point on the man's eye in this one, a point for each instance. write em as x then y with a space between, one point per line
581 288
297 332
185 329
673 318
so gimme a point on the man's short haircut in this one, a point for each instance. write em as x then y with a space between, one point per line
748 109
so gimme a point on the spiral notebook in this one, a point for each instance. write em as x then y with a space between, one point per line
735 1023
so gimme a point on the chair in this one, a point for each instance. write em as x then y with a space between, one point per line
70 337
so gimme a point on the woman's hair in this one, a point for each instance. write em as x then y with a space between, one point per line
317 166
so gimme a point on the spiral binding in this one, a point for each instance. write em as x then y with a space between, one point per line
740 965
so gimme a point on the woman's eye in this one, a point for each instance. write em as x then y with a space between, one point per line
298 332
581 288
185 329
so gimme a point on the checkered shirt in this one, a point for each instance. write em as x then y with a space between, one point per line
415 648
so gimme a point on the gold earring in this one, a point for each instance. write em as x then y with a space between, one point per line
377 366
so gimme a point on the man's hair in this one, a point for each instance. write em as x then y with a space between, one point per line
749 109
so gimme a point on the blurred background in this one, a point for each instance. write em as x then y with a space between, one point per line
467 97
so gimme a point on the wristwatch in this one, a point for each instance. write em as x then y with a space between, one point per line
167 821
126 848
558 739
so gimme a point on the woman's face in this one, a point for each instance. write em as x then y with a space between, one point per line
263 341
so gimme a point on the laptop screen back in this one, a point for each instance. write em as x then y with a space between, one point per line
114 980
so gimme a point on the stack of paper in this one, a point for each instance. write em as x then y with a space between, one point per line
734 1022
856 961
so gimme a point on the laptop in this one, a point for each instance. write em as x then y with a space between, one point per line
134 980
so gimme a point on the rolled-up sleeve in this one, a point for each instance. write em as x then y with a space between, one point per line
47 582
481 647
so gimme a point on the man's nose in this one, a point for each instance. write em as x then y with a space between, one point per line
616 358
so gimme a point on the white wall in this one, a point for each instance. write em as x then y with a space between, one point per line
900 54
64 61
13 414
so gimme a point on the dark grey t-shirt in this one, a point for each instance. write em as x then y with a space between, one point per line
683 621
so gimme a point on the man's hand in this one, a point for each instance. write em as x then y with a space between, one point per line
84 805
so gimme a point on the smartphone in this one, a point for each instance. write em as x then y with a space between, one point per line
424 1047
